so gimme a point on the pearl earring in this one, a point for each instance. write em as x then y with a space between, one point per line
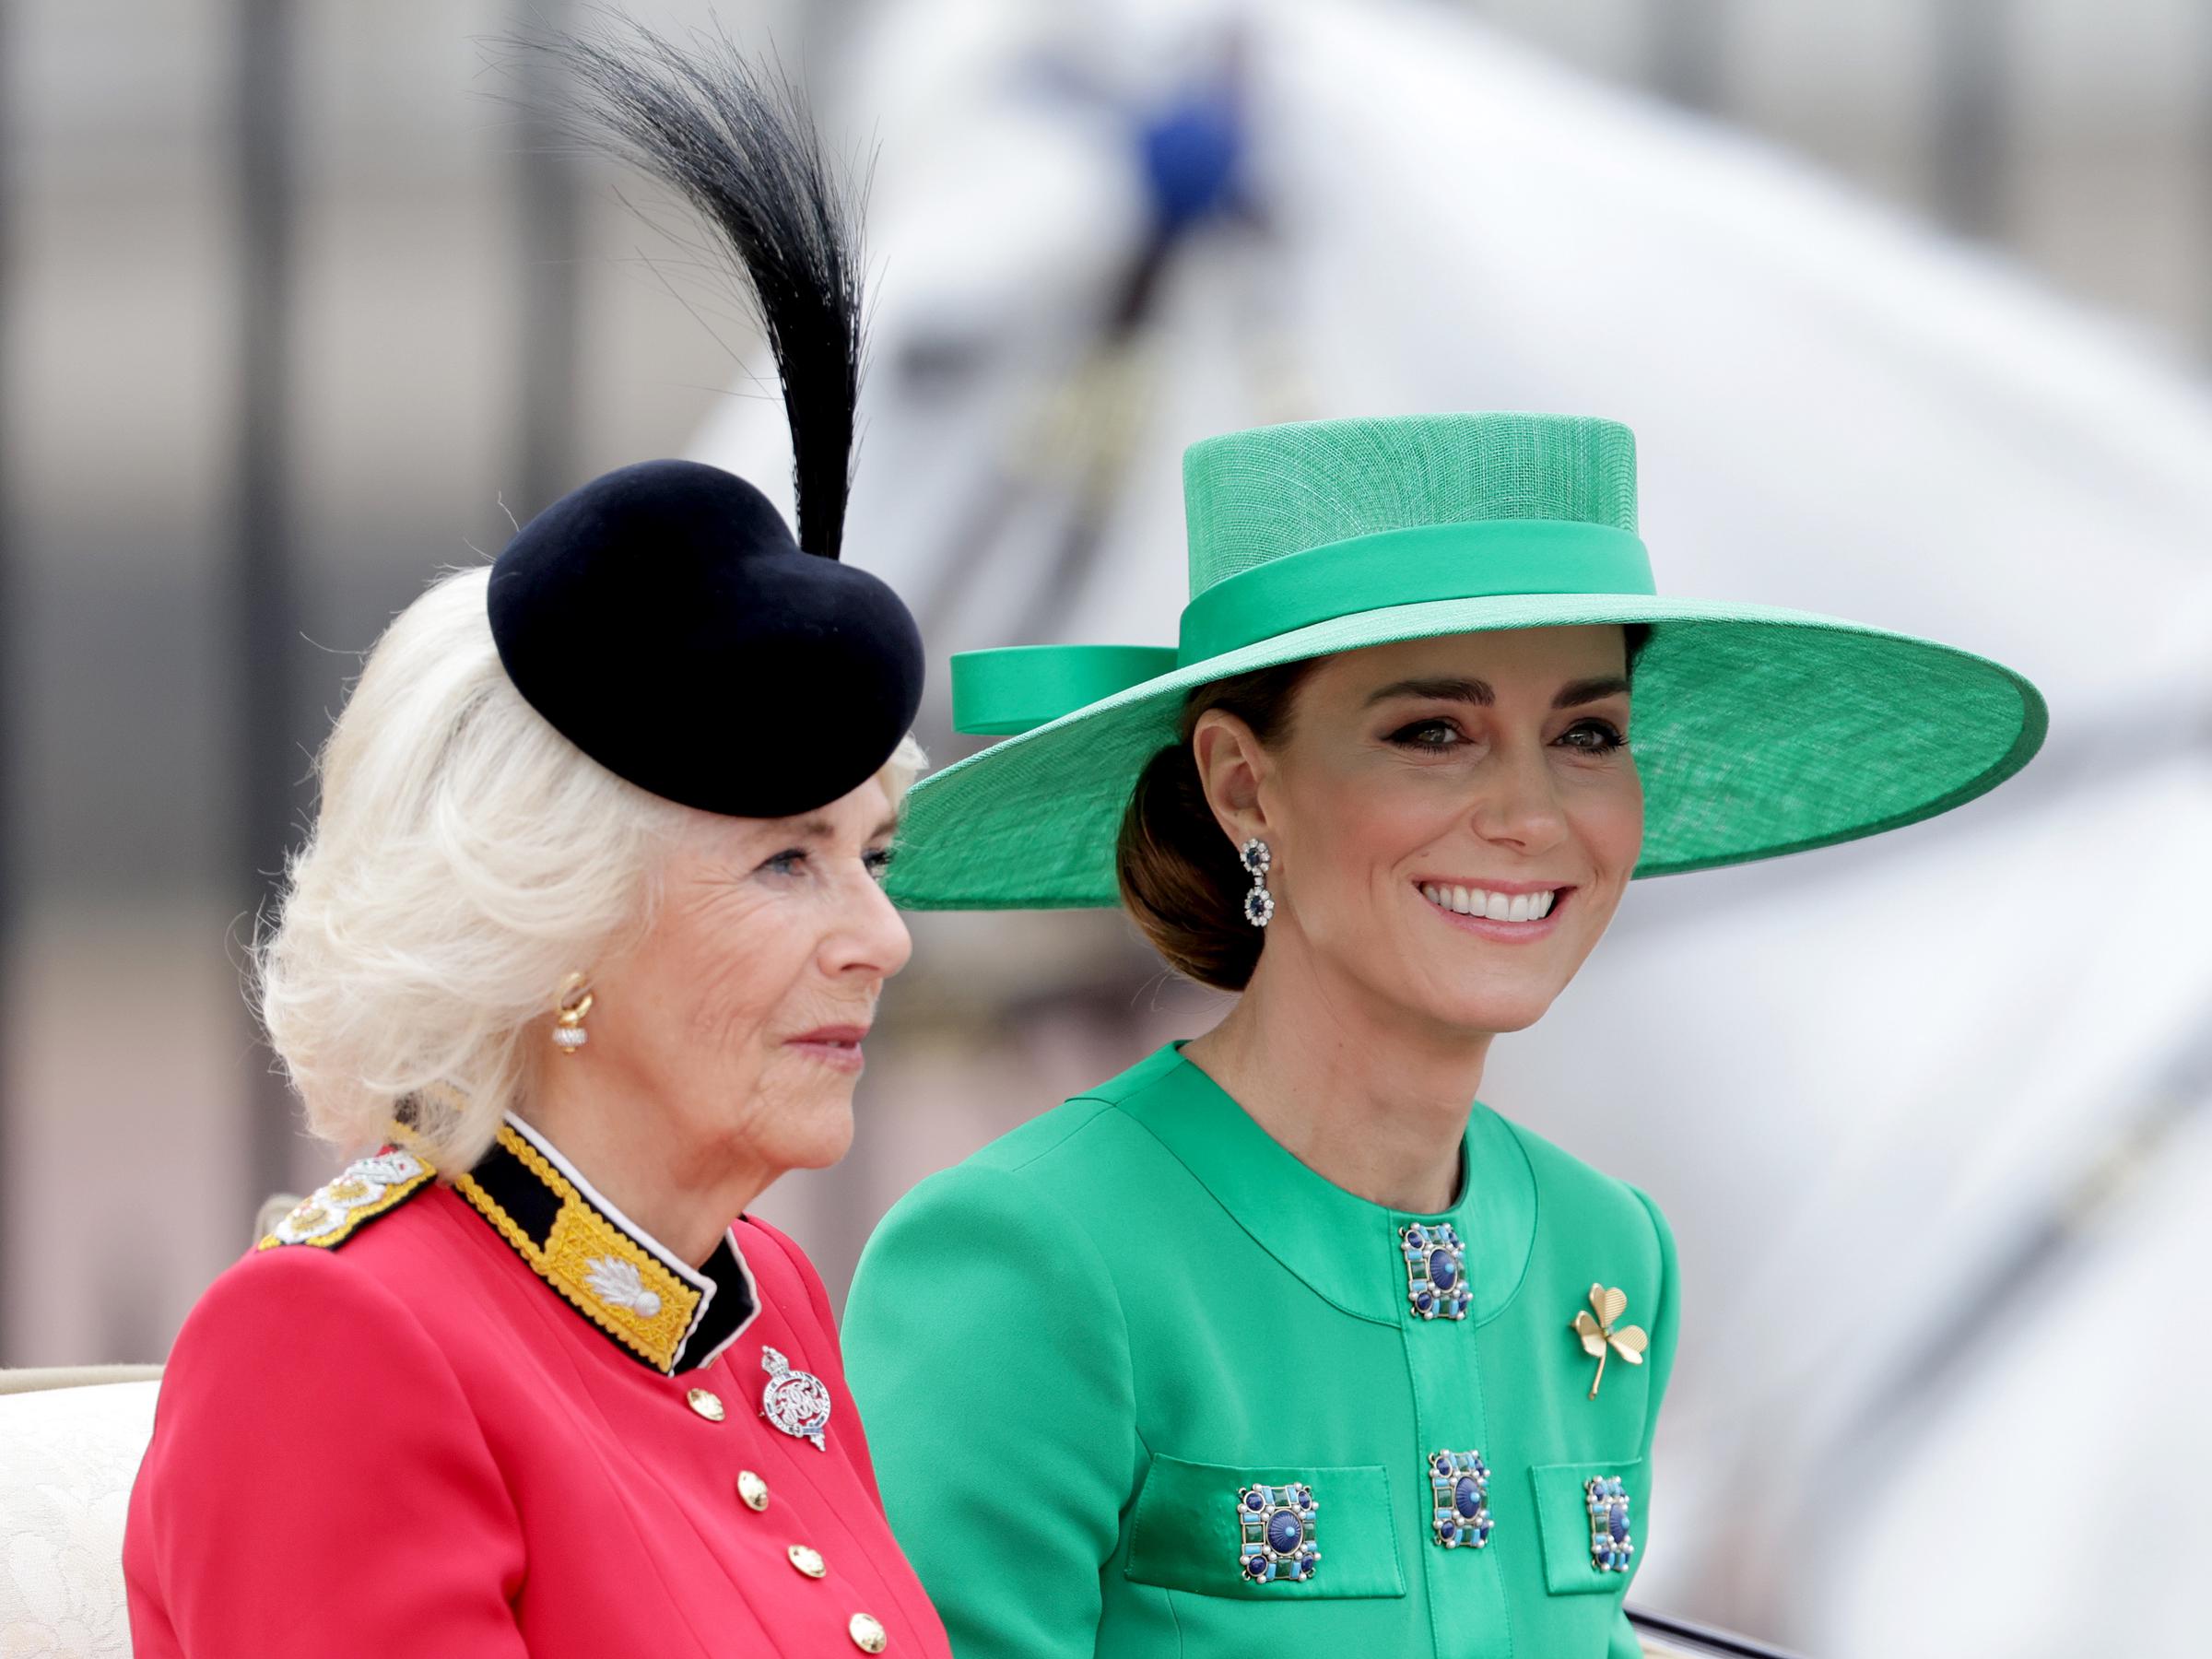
1259 904
570 1008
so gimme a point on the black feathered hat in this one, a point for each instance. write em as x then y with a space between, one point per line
662 618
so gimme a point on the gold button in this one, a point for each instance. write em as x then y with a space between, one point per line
809 1562
867 1635
707 1404
753 1490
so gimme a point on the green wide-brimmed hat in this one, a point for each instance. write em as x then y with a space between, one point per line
1759 731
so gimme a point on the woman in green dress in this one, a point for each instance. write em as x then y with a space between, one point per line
1281 1342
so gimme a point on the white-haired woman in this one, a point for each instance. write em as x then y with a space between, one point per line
579 955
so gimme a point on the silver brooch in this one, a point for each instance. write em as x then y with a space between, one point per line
794 1401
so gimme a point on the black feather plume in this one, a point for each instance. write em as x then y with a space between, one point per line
736 140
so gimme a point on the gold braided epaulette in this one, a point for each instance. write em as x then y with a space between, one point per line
370 1187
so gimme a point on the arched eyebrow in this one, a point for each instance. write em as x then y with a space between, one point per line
1478 692
1474 691
822 830
1590 691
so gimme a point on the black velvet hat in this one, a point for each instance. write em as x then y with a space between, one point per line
662 618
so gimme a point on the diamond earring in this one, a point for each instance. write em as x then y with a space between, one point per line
1259 904
570 1008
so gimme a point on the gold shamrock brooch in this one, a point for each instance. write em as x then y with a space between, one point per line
1595 1326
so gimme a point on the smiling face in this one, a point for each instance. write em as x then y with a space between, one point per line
1453 821
735 1021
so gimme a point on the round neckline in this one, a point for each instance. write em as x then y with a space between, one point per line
1345 1247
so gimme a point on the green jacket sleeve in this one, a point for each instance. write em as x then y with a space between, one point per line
1005 1465
1660 1360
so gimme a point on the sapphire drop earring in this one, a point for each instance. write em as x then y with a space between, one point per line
1259 904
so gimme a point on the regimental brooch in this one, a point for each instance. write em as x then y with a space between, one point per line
1610 1545
1277 1523
1460 1482
794 1401
1599 1334
1436 1271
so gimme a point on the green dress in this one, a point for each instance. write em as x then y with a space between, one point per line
1082 1353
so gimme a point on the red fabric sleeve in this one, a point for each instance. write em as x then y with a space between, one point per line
317 1482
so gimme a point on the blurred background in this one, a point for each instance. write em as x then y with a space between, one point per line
1910 302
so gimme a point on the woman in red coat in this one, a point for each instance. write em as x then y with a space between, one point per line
581 954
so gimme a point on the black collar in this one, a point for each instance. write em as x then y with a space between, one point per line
654 1307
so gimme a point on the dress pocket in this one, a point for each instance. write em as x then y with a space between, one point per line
1188 1532
1590 1516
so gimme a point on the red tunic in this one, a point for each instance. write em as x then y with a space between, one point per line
416 1442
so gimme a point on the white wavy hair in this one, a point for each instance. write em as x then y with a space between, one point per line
466 858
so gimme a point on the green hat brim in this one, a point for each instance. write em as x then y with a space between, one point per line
1758 731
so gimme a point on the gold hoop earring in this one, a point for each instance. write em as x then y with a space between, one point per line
570 1008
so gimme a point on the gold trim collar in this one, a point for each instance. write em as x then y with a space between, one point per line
653 1306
